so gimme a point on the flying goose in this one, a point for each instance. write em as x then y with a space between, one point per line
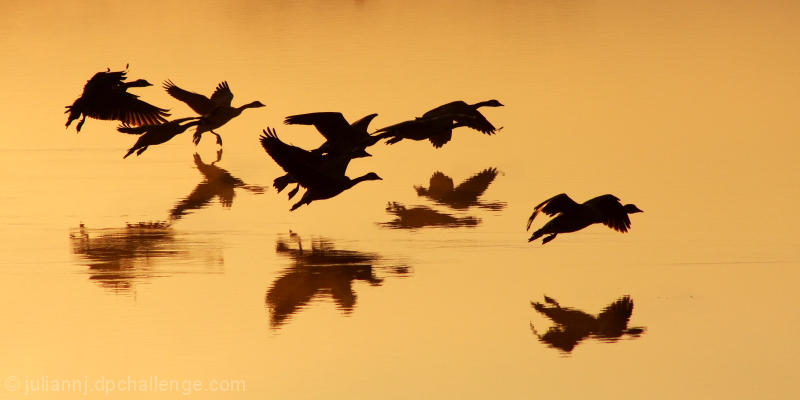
479 122
571 216
294 160
337 131
105 97
156 134
217 110
439 130
341 146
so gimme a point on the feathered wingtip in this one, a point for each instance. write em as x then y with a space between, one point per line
530 220
269 133
131 130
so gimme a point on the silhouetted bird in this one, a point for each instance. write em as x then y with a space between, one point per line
319 185
217 110
605 209
156 134
439 130
479 122
465 195
338 132
341 146
572 325
105 97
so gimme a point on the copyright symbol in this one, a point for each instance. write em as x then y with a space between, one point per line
12 383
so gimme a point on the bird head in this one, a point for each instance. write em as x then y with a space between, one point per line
254 104
139 83
630 209
371 177
493 103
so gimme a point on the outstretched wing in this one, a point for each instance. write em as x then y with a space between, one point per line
480 124
555 205
197 102
476 184
441 139
613 212
440 183
613 320
363 124
128 109
291 159
222 95
331 125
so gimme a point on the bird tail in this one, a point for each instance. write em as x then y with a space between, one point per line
129 152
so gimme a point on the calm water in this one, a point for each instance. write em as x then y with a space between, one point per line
183 265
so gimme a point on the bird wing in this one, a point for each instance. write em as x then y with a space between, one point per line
331 125
475 185
197 102
479 123
613 212
555 205
440 139
363 124
286 156
222 95
132 130
441 183
103 81
126 107
616 315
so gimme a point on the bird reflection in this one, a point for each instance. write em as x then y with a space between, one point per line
442 190
217 183
120 257
422 216
319 272
573 326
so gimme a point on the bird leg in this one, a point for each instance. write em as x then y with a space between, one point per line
219 138
80 124
196 138
549 238
294 191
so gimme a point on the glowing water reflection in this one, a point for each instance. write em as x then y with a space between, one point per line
572 326
321 272
119 258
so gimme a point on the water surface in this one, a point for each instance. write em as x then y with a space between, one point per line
183 264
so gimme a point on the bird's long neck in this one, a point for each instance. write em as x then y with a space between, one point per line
481 104
246 106
362 178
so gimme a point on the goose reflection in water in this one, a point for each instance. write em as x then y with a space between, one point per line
573 326
443 191
217 183
320 272
422 216
118 258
